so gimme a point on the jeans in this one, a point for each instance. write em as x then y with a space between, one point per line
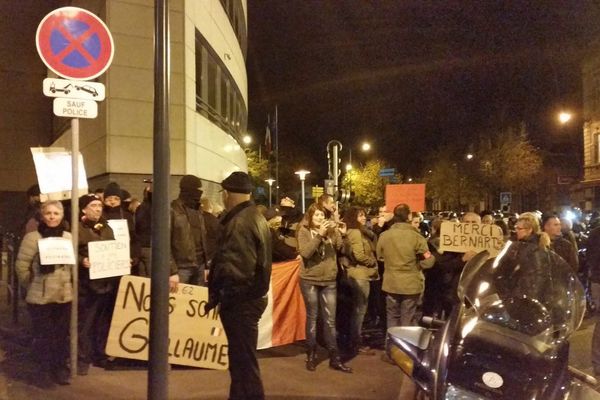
192 275
401 309
320 299
360 300
145 264
241 327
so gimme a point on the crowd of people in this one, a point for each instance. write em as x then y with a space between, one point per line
390 264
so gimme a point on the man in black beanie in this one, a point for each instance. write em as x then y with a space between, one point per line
239 281
188 235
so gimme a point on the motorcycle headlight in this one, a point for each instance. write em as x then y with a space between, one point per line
402 360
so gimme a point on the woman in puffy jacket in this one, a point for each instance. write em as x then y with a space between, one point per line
318 243
49 295
361 271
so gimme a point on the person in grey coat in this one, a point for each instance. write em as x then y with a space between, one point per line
49 296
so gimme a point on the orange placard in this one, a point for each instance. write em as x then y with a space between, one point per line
411 194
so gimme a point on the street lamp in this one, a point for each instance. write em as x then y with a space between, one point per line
564 117
348 167
302 174
366 146
470 156
270 182
247 139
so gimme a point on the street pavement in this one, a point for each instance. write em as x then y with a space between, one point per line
282 368
283 373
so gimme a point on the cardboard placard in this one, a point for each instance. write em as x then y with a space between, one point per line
109 258
462 237
196 338
412 194
53 170
120 229
56 250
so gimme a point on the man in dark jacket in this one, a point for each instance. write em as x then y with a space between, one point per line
239 281
188 234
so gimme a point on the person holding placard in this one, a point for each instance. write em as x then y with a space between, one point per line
95 295
49 292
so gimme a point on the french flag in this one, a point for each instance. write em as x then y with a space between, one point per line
284 319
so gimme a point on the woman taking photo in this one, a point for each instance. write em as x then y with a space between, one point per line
318 243
361 271
49 295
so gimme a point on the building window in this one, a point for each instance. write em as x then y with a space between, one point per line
217 96
596 148
235 14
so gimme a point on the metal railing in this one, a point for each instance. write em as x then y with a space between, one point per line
9 247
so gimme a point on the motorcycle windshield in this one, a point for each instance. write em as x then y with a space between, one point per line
530 293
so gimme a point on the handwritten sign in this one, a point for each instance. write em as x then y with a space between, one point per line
411 194
109 258
53 169
120 229
56 250
462 237
196 338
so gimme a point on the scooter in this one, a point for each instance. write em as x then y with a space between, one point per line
508 338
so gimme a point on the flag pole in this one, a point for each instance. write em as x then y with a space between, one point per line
276 156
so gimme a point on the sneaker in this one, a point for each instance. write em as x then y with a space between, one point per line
62 376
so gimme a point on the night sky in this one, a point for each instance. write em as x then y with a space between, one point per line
411 77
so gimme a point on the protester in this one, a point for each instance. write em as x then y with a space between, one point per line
281 250
49 296
319 240
593 262
560 245
113 210
327 202
189 248
361 271
143 231
528 229
239 281
96 297
405 254
32 216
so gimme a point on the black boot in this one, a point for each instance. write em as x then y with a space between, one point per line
336 363
311 359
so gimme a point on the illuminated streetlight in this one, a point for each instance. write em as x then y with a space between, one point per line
348 167
366 146
247 139
270 181
470 156
302 174
564 117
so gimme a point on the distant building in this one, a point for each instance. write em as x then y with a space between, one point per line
591 129
209 95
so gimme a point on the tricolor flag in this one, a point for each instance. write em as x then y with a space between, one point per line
284 319
268 148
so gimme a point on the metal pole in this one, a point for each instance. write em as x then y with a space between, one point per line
276 156
75 239
270 199
158 383
336 172
303 207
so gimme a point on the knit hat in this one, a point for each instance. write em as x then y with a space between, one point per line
238 182
113 189
272 213
126 196
190 183
87 199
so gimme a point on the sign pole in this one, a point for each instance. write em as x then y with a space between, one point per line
158 379
74 238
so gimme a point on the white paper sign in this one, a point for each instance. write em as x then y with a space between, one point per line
53 169
109 258
56 250
120 229
462 237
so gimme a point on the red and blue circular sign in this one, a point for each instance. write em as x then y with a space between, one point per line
74 43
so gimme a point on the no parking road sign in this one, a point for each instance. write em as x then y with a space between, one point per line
74 43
